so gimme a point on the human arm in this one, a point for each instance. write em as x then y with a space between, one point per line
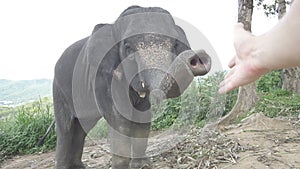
256 55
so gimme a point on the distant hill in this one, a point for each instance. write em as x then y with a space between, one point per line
20 91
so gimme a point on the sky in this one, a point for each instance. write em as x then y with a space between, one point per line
34 33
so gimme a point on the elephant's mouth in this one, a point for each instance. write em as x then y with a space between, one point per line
142 94
141 90
139 97
168 88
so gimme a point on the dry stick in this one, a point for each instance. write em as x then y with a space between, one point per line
200 164
246 156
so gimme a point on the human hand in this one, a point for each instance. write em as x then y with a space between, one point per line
245 66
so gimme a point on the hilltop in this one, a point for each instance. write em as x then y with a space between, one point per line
13 92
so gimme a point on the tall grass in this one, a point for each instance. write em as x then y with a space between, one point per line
20 132
274 101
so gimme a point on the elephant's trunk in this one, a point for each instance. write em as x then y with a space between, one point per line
185 67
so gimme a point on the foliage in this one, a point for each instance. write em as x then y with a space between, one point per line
270 7
20 132
199 104
274 101
270 81
165 113
219 104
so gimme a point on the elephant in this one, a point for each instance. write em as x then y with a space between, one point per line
115 73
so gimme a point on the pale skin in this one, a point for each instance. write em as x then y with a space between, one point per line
257 55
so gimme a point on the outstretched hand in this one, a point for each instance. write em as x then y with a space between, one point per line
245 68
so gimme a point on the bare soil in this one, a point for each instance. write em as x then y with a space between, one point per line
257 142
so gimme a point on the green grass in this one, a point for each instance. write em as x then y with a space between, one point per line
20 132
279 103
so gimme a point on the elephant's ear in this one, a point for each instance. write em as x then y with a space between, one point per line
122 50
89 75
100 44
182 43
97 27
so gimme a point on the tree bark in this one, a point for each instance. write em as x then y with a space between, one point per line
281 9
290 76
247 96
291 79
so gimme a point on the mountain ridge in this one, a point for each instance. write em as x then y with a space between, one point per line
13 92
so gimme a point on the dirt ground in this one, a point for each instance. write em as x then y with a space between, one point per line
257 142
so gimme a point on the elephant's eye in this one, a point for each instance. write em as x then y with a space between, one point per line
128 49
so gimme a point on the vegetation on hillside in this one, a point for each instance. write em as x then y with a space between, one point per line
16 92
20 131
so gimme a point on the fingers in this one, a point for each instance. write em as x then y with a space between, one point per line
232 62
229 74
228 83
239 74
226 86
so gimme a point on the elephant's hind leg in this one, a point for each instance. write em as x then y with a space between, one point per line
70 135
77 145
70 147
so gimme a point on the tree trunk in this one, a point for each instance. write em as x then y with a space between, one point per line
247 96
291 79
281 8
290 76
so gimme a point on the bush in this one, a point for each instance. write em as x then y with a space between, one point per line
200 103
218 104
165 113
274 101
20 132
270 81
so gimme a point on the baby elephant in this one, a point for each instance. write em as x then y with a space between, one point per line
115 73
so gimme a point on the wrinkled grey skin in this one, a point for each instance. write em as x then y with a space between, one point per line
154 65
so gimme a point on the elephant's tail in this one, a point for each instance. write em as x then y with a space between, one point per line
42 139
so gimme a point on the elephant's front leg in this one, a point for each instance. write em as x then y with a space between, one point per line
119 135
139 141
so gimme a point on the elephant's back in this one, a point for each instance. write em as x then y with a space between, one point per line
65 66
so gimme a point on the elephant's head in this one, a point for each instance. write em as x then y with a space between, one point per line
147 54
155 55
